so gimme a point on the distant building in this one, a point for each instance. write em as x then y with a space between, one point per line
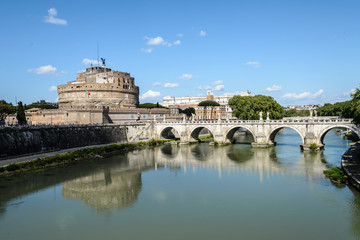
303 107
187 101
223 111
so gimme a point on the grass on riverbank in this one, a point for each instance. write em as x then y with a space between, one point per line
66 158
337 175
205 137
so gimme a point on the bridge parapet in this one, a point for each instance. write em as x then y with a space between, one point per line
311 130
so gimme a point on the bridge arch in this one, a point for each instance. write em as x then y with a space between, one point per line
194 133
169 132
230 133
326 130
276 130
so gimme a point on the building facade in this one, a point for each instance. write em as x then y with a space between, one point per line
97 87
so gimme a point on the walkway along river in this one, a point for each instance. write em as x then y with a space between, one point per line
187 192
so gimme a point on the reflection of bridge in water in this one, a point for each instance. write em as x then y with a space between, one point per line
238 158
312 130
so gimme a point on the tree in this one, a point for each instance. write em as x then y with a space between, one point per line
208 103
356 106
249 107
5 109
188 111
150 105
42 106
20 115
341 109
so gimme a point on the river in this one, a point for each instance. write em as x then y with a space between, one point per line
187 192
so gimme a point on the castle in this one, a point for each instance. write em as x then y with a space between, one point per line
97 96
97 87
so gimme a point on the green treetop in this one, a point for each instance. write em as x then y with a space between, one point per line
249 107
6 109
208 103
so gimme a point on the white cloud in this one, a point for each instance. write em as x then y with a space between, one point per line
147 50
303 95
180 35
52 89
349 92
219 87
318 93
63 72
202 33
177 42
51 18
156 84
170 85
186 76
254 64
44 70
274 88
217 82
237 93
296 96
149 94
204 87
157 41
87 61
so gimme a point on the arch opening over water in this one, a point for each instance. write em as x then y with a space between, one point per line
290 130
200 131
341 130
169 133
239 135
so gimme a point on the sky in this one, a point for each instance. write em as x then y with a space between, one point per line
299 51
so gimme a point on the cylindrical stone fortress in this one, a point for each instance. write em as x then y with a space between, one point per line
99 86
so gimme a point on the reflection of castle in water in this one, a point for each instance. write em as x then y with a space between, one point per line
116 186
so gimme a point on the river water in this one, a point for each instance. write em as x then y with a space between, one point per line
187 192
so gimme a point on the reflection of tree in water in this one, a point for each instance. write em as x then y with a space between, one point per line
202 152
170 151
105 191
239 154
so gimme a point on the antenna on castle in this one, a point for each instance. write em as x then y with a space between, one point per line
98 54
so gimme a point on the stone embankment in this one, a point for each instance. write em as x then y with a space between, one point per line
350 162
17 141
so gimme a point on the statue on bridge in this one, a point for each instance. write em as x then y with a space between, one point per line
260 114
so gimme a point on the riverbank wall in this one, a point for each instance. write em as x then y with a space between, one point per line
17 141
350 162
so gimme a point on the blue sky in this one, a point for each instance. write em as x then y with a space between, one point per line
299 52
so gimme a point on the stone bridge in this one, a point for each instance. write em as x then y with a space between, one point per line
312 130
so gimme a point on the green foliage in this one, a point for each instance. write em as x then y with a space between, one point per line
208 103
6 109
336 175
20 114
313 146
294 113
341 109
12 167
188 111
206 137
356 106
42 106
249 107
150 105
